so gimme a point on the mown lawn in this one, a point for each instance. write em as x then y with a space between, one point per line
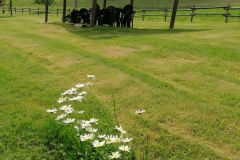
187 80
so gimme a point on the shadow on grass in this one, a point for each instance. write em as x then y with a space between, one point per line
8 16
106 32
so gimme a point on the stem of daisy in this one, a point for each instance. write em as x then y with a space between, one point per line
147 149
114 107
123 154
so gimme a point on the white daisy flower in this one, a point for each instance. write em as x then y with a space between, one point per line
80 85
90 76
94 120
90 129
53 110
77 98
126 140
109 139
65 93
140 111
89 84
62 99
61 116
115 155
83 93
69 120
83 138
102 136
73 89
80 112
125 148
77 128
67 109
96 143
120 129
84 124
116 139
70 110
90 136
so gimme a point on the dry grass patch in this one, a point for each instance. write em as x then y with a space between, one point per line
117 51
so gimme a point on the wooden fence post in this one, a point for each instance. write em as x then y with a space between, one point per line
193 10
165 14
143 15
227 13
11 7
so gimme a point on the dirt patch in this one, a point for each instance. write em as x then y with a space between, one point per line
119 51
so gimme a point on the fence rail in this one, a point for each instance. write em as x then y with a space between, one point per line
166 12
32 10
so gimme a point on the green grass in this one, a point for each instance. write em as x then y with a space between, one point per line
187 79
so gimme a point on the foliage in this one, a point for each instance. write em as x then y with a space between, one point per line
2 2
50 2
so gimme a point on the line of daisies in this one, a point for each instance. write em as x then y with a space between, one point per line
85 128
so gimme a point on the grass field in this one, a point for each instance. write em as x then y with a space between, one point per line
187 80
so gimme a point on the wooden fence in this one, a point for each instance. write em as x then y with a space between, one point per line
32 10
166 12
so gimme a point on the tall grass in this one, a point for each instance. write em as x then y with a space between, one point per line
187 80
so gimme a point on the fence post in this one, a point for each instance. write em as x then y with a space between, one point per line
227 13
15 10
143 15
192 14
165 15
57 12
11 7
38 10
22 10
29 10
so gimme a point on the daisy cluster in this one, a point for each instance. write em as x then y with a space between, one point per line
114 145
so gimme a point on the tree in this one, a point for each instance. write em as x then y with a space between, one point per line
50 2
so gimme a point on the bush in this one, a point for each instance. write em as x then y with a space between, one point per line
50 2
